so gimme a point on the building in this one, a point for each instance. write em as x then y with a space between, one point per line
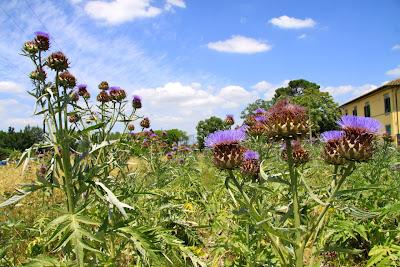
383 104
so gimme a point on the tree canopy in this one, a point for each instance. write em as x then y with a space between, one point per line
207 126
259 103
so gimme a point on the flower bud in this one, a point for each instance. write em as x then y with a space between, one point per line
227 150
145 123
67 80
169 155
30 47
131 127
251 164
103 97
332 140
73 118
39 75
103 85
42 41
286 120
57 61
74 96
299 154
137 102
229 120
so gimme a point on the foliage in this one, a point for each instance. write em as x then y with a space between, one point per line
174 135
207 126
323 110
259 103
21 140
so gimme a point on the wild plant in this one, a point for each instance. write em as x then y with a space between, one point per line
298 214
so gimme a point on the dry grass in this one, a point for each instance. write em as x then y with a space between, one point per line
11 177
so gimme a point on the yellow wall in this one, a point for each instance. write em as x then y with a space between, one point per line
377 107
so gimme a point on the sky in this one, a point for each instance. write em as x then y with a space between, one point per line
191 59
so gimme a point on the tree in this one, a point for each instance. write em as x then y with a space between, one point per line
323 110
259 103
207 126
174 135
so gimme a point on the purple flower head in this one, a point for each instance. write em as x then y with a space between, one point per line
260 119
251 155
259 111
114 88
42 34
181 160
153 135
360 123
81 86
174 148
225 137
331 136
137 98
229 116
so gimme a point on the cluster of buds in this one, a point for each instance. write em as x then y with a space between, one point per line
355 141
299 154
145 123
117 94
257 126
136 102
251 164
39 74
57 61
82 91
229 120
227 150
286 120
67 80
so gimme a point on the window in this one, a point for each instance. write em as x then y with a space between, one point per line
367 110
387 104
388 129
355 111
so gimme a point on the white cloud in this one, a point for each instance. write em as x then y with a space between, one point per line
394 72
16 114
396 47
302 36
10 87
344 93
177 105
119 11
174 3
268 89
240 44
286 22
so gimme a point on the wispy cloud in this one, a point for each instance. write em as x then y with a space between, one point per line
396 47
302 36
240 45
343 93
286 22
394 72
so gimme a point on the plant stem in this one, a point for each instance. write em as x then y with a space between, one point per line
299 247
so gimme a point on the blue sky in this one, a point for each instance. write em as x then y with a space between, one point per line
193 59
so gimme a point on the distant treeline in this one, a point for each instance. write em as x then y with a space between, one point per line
12 140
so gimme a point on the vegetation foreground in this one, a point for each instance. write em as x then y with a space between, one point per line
258 195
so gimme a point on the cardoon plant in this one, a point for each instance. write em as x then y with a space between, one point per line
293 229
78 137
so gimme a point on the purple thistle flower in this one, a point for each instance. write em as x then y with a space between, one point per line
114 88
362 123
174 148
251 155
153 135
260 118
81 86
137 98
259 111
42 34
225 137
137 101
230 116
331 136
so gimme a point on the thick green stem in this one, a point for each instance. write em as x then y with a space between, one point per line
299 247
253 213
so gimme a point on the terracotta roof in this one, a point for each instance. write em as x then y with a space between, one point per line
385 86
392 83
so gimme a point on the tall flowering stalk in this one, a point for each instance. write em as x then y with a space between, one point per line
288 123
78 133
